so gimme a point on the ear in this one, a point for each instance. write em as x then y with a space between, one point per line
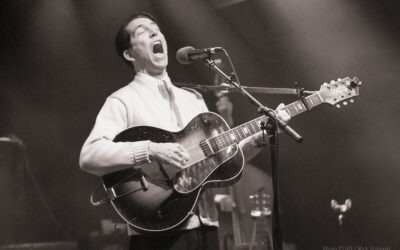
128 56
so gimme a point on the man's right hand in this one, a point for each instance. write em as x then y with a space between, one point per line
170 153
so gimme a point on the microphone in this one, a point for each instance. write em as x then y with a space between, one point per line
189 54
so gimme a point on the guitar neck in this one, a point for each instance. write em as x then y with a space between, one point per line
262 235
298 107
241 132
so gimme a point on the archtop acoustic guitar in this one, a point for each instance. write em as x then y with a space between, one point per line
158 198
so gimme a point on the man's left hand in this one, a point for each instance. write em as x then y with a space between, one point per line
282 114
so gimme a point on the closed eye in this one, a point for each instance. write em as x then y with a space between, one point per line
140 30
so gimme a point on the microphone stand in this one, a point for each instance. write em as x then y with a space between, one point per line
271 128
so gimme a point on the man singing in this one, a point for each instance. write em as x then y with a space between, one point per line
150 99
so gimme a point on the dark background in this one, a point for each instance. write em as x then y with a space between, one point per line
58 64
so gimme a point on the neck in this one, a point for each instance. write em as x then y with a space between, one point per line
158 74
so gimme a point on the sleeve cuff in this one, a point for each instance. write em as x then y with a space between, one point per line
140 152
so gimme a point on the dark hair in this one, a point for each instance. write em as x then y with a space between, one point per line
122 39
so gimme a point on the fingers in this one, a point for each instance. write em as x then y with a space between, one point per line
176 155
280 106
176 163
170 153
282 114
183 153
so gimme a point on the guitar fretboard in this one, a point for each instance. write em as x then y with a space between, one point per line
262 234
299 107
239 133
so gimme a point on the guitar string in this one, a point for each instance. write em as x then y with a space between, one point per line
224 136
226 140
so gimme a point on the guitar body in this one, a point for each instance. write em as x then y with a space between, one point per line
158 198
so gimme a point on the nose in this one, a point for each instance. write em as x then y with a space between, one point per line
153 32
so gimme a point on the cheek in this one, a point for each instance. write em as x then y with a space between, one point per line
165 42
139 49
138 46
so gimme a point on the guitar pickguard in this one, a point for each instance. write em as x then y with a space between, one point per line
200 166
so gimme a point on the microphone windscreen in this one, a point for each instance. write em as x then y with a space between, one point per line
182 55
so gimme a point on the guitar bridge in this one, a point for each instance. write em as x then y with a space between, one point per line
206 147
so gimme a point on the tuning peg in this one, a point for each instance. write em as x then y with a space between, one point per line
355 82
351 100
339 79
338 106
332 81
345 103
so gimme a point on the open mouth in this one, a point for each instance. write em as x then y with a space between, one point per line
158 48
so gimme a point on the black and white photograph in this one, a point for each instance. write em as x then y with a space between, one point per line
199 125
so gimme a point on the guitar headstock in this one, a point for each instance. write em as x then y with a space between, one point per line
260 203
340 91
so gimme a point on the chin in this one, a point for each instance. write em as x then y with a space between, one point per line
161 64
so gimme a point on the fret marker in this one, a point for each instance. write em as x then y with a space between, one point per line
233 137
300 106
245 131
